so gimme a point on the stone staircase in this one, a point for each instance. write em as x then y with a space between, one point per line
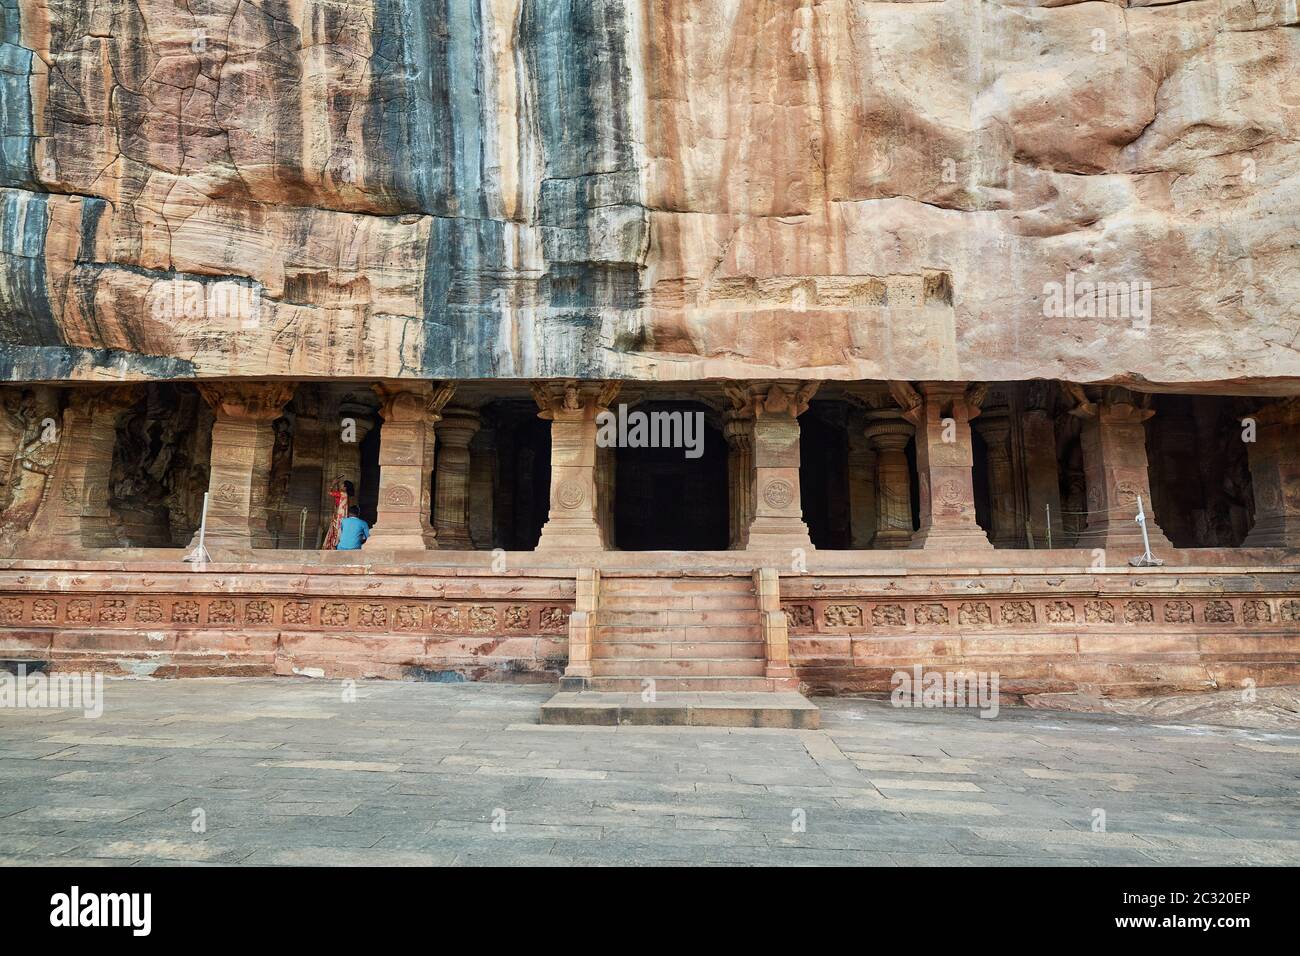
685 634
676 650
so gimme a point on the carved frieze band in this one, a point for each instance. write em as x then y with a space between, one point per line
377 615
840 614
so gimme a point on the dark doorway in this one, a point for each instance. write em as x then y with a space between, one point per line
160 467
1199 471
664 501
980 481
368 490
824 474
523 487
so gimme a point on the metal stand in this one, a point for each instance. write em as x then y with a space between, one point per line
1146 559
200 554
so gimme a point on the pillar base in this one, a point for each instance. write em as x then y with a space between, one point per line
778 534
560 534
1127 541
402 540
893 540
453 542
1274 532
949 539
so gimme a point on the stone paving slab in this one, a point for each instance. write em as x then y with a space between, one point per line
302 772
784 709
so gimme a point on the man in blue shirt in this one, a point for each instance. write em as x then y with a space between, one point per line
353 532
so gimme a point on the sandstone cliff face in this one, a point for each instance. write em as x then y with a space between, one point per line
658 189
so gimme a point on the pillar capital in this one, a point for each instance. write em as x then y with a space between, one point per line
109 400
770 399
995 429
738 428
247 401
1282 411
924 402
413 403
1111 403
457 426
573 399
888 430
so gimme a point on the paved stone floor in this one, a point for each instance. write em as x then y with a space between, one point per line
287 772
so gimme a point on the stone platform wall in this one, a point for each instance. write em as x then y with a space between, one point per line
1119 633
321 624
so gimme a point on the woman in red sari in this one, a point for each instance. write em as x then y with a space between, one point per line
342 492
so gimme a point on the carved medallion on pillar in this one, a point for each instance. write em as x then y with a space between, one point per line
577 514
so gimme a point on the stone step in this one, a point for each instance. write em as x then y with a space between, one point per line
618 634
678 667
654 587
664 684
674 618
789 710
678 602
678 649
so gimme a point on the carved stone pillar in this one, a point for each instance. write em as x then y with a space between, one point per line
941 413
451 490
888 434
574 520
862 487
738 429
1275 476
406 462
242 444
75 514
606 468
1006 525
483 488
777 521
1042 474
1115 470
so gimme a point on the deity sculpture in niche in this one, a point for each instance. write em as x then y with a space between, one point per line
30 466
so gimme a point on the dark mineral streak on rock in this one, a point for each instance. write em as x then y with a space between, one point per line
16 140
25 315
